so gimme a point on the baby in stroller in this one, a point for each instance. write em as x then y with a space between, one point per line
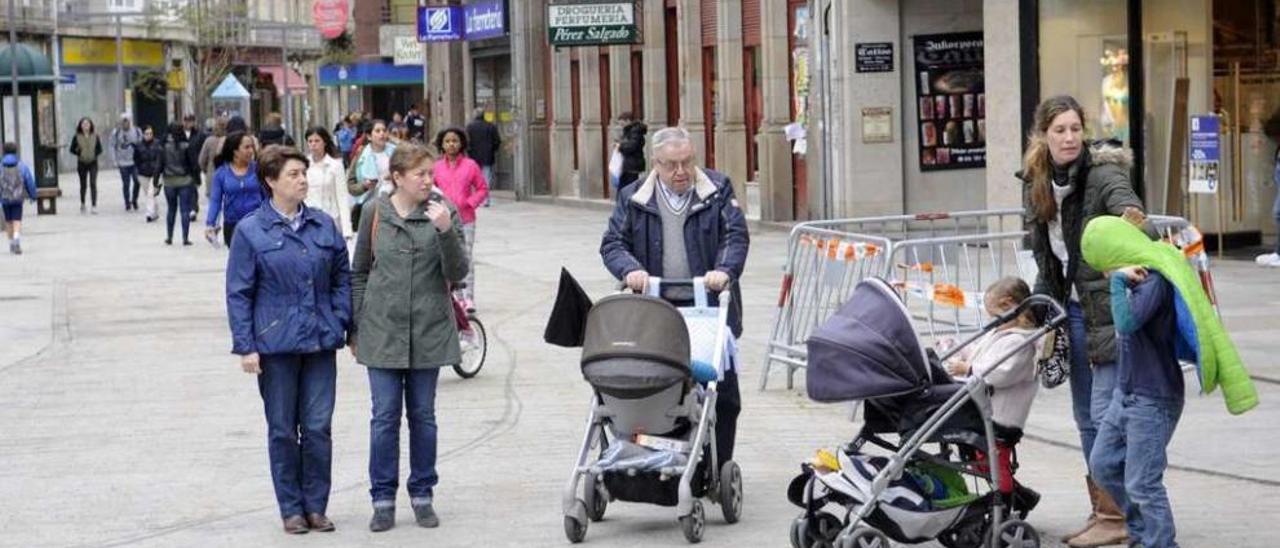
1013 381
939 479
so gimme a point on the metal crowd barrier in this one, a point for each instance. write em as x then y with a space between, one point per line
827 259
941 263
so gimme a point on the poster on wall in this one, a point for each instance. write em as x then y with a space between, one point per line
1205 154
951 101
1114 117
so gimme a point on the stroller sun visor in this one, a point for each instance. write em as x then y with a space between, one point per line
635 346
867 350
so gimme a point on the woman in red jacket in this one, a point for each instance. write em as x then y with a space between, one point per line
461 180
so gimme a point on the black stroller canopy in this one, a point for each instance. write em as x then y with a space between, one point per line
635 346
867 350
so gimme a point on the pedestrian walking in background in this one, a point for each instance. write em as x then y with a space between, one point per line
1070 181
289 307
178 173
327 179
345 134
148 158
408 251
397 121
683 221
417 125
195 141
399 135
631 146
1273 258
483 142
461 180
371 172
236 190
209 151
86 147
124 139
17 184
273 132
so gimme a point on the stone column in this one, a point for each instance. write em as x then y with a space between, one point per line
776 184
866 179
619 88
690 23
655 66
528 43
446 95
591 160
562 172
731 125
1004 102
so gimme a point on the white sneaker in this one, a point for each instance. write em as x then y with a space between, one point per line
1272 260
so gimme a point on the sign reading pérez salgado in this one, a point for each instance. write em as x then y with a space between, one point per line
592 23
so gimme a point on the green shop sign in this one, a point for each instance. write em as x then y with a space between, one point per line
592 23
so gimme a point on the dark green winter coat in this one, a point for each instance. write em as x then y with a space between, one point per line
1104 169
403 309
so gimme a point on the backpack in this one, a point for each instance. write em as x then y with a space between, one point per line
12 187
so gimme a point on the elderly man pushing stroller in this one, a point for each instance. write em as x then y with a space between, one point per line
681 221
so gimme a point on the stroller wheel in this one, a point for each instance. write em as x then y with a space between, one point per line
796 533
865 537
575 529
694 523
1016 533
731 491
819 532
594 496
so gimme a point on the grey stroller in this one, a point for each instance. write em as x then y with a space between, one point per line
650 432
869 352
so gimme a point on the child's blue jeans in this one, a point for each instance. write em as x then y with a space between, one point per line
1129 458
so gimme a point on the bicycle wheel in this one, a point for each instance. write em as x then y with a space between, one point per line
475 346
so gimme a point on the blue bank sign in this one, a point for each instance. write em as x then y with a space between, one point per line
440 24
486 19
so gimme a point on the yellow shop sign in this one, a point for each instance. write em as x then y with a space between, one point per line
102 52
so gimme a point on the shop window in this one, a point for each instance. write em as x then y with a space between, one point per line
1085 53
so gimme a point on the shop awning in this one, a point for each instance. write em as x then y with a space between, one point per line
34 66
230 88
371 74
297 84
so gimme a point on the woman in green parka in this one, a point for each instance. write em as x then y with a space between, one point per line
408 250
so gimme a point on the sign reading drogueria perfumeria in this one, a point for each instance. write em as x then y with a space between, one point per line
592 23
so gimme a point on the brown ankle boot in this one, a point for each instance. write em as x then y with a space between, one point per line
1108 526
1093 490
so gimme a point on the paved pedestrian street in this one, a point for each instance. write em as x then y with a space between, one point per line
125 421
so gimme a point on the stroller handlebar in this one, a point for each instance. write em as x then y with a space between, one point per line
1056 319
656 284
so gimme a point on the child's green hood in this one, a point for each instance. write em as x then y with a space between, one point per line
1110 243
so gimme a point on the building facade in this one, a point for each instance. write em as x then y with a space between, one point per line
907 139
732 72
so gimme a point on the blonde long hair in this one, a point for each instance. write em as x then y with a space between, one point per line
1037 163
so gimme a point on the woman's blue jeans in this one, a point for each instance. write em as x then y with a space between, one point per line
411 393
298 395
1091 386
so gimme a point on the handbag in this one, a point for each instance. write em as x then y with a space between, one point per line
1054 363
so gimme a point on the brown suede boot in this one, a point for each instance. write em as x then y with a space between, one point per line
1108 526
1093 510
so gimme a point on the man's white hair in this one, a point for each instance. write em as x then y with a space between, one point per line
668 136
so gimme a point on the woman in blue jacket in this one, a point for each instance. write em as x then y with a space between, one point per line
289 306
235 191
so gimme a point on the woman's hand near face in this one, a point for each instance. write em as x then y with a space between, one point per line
439 216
